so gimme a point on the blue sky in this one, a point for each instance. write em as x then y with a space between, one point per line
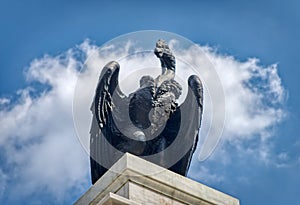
267 30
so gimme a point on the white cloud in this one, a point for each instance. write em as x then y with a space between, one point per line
4 101
285 160
3 182
254 96
206 175
252 93
283 156
38 136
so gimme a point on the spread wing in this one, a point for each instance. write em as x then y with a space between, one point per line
107 94
109 108
190 113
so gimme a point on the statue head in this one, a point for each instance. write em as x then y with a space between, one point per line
146 81
161 46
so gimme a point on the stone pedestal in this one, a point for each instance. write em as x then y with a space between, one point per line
135 181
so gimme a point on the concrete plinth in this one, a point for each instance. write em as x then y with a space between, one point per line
135 181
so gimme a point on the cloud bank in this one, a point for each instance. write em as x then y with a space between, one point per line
41 157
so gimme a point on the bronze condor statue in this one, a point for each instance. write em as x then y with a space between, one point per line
148 122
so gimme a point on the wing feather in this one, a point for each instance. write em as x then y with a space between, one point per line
101 109
191 115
